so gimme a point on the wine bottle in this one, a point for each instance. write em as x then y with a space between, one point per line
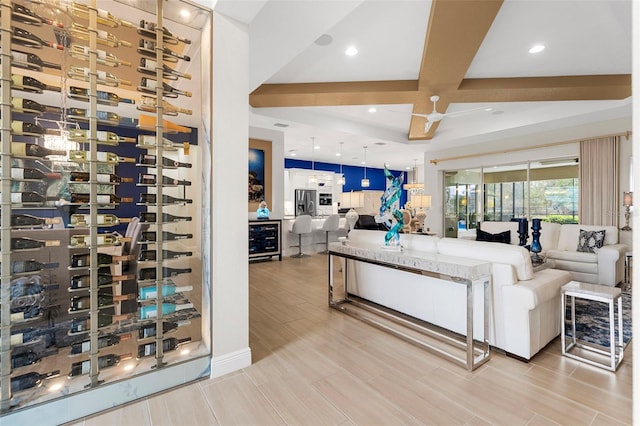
148 66
103 117
103 77
24 243
28 313
30 197
151 160
149 141
81 260
103 37
27 173
27 220
148 28
82 303
149 104
28 266
24 359
28 39
148 255
30 380
104 138
20 149
150 236
101 157
102 57
101 219
150 311
27 16
170 344
166 199
102 240
102 199
150 273
24 336
100 178
25 128
28 106
30 84
104 361
149 85
31 61
81 325
149 179
148 48
146 217
150 330
104 17
103 342
104 98
104 278
151 292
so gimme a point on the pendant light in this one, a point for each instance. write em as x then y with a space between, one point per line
414 187
313 179
365 182
341 179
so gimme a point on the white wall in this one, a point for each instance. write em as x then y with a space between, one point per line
433 173
229 245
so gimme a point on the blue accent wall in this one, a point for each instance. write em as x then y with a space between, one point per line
353 175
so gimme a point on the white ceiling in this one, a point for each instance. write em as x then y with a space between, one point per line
581 38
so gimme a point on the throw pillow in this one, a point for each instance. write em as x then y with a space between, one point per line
590 241
502 237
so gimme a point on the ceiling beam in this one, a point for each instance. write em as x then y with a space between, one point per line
454 25
330 94
561 88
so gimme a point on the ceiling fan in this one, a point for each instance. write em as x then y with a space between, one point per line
435 116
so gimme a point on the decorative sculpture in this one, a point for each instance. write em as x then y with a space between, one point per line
387 216
263 210
535 241
523 229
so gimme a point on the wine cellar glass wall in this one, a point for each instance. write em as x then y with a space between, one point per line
101 194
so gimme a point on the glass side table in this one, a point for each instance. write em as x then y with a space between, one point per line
573 347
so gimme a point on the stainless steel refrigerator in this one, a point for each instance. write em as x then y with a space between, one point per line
305 202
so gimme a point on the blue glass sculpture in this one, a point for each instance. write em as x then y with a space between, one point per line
390 217
263 211
535 241
523 229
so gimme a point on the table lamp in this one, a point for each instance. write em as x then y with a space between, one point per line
421 202
351 200
627 202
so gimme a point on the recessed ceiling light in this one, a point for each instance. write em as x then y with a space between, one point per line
362 162
380 143
372 110
488 109
537 48
338 154
185 13
316 147
408 167
351 51
280 125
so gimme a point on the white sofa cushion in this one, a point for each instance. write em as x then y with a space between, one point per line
498 227
573 256
569 234
549 235
516 256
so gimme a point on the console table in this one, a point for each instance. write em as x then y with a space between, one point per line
450 270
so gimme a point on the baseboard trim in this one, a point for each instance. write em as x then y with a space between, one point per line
228 363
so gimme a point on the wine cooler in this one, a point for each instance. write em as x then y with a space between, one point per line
101 194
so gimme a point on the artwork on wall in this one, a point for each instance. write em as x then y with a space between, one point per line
259 173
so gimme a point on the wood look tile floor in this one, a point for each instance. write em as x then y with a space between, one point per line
316 366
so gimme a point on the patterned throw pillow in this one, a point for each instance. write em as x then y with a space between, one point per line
590 241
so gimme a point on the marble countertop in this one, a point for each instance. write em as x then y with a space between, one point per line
458 267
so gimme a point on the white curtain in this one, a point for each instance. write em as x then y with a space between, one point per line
599 182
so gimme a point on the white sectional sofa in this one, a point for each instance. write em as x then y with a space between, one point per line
560 245
524 305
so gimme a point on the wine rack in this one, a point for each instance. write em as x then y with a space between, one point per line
99 262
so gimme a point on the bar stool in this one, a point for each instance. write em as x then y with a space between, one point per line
302 225
331 224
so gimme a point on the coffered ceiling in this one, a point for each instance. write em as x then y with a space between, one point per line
473 54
